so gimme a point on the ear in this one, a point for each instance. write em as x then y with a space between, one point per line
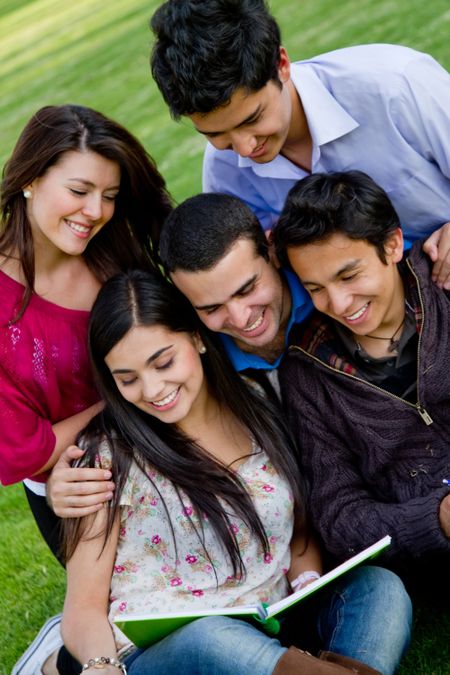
27 190
198 342
284 66
394 246
273 259
31 185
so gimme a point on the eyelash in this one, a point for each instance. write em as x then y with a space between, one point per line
126 383
347 278
81 193
242 294
166 365
247 124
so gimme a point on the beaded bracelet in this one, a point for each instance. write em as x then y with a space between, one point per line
310 575
100 662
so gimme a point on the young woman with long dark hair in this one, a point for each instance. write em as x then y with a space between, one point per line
207 511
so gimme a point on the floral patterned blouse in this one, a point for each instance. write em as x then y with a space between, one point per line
151 574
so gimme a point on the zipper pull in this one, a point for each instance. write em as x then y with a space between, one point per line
424 415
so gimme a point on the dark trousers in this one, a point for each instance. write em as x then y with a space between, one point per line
47 522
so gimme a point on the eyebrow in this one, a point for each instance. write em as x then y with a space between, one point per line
89 183
345 268
248 119
153 357
239 291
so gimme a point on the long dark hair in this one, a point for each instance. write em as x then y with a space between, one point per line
140 298
131 237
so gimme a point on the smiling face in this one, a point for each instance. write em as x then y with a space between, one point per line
159 371
243 295
347 281
72 201
256 124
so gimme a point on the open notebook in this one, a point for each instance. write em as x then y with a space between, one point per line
146 629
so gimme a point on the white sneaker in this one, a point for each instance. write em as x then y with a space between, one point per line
44 644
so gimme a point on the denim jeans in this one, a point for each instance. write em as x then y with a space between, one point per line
366 615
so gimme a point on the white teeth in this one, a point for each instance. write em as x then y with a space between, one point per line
256 324
357 314
78 228
168 399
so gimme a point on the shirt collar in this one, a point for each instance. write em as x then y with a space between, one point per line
327 121
301 308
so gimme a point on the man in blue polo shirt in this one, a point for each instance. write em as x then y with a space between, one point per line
382 109
216 253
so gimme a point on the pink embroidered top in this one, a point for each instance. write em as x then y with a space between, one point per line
45 377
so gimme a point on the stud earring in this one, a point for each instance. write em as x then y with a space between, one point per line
202 350
27 194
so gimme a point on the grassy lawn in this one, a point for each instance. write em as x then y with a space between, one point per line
96 53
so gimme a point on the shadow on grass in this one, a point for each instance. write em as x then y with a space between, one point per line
429 653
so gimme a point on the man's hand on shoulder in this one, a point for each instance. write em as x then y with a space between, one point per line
437 246
73 492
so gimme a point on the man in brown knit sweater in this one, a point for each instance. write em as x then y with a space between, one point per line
366 381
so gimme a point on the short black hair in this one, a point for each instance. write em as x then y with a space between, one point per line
206 49
200 232
321 205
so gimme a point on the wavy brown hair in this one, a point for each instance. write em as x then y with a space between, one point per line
131 237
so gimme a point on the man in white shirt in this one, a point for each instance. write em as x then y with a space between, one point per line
382 109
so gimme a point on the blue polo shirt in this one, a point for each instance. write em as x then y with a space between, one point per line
302 306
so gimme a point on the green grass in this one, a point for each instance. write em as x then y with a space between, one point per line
96 53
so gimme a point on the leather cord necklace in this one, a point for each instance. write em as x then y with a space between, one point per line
393 343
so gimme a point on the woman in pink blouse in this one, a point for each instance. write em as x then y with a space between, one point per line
80 201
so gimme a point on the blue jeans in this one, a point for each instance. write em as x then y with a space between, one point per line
366 615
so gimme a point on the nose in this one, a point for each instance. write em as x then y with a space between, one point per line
243 142
152 388
93 206
338 301
238 314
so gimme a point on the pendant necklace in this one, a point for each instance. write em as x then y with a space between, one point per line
393 343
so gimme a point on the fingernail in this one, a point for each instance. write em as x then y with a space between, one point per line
107 475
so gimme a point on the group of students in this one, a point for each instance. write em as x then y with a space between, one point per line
160 393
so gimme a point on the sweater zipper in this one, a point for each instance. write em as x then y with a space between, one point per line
420 409
425 416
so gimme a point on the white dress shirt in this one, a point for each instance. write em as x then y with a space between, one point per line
382 109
